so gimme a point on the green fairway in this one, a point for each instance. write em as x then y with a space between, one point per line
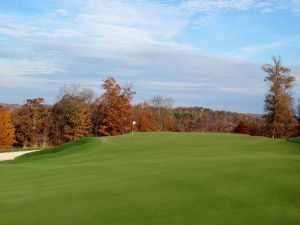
157 179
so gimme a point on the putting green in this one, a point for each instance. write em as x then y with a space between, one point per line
157 179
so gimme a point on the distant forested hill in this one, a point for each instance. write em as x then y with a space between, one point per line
208 120
10 107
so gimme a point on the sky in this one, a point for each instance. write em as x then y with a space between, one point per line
198 52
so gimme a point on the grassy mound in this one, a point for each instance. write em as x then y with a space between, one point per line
73 146
155 178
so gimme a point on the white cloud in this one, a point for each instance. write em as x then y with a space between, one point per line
243 91
62 12
296 6
221 5
267 10
273 45
208 5
23 73
182 85
10 25
136 42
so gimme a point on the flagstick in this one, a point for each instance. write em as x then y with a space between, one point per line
133 124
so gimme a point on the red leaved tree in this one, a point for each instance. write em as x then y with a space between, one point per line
243 128
114 109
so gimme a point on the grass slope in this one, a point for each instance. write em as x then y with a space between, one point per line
155 178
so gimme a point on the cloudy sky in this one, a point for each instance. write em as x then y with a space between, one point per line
199 52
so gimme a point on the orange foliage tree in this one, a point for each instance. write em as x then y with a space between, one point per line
114 109
144 115
7 131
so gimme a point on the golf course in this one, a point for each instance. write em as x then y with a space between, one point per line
155 179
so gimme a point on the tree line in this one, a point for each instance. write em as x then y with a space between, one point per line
77 113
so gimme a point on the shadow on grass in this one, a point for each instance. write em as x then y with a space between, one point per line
295 140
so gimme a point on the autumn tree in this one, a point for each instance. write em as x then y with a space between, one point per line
280 116
163 112
72 115
242 128
114 109
144 115
32 123
7 132
208 120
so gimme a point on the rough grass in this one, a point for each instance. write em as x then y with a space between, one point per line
157 179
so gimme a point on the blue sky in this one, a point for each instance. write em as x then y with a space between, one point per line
199 52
